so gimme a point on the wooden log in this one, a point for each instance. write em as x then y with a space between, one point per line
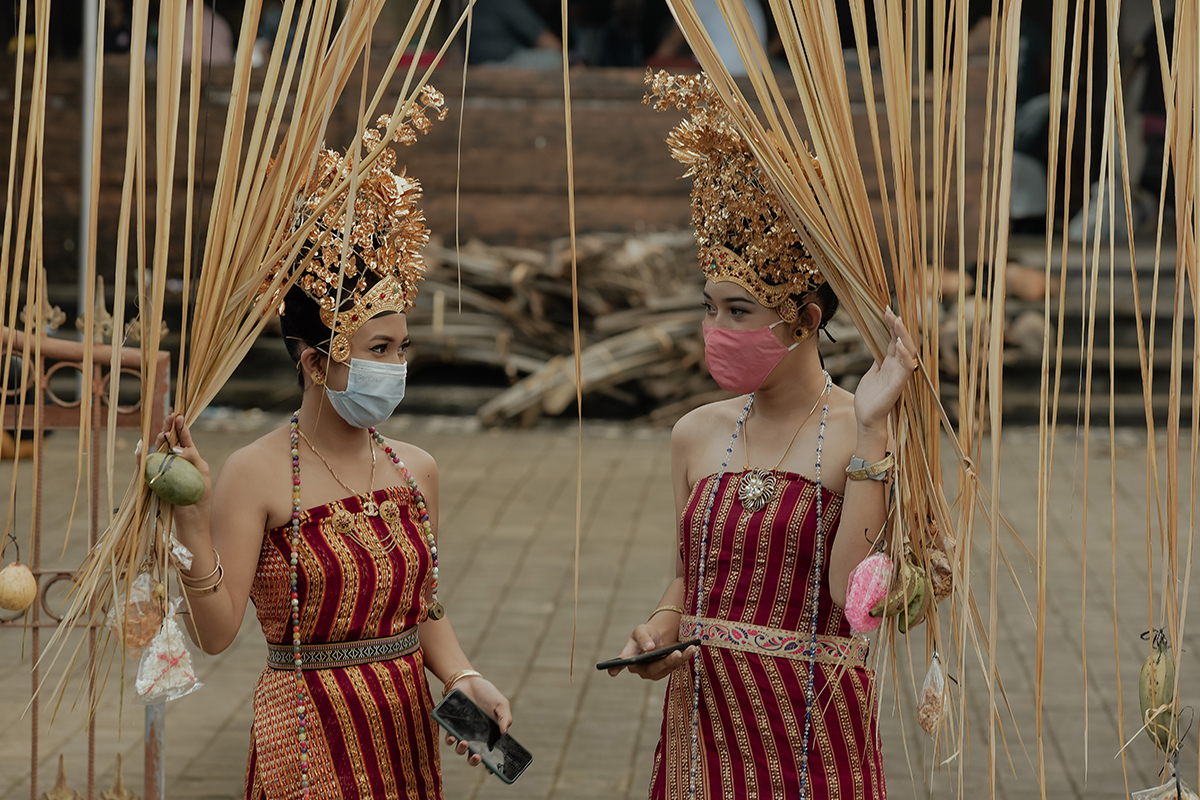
604 364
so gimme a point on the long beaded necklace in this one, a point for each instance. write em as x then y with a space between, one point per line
301 705
435 612
814 587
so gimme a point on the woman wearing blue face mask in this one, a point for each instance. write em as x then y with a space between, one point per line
331 529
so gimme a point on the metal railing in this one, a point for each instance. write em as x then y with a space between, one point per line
53 412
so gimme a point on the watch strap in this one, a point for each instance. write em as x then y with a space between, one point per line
860 470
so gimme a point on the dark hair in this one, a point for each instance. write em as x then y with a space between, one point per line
302 327
824 299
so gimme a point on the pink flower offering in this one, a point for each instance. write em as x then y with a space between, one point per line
868 585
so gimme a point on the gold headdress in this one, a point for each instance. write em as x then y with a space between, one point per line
743 232
387 232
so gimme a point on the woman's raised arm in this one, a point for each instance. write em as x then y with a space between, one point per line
228 524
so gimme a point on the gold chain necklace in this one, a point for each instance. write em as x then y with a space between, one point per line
366 498
343 520
757 487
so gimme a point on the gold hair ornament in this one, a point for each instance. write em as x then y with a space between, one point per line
742 228
387 232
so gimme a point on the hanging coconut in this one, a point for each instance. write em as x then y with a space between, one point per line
175 480
18 587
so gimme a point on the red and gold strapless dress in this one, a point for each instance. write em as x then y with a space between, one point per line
755 663
369 734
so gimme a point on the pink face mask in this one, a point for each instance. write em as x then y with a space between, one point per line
740 360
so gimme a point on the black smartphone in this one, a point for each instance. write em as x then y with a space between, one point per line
467 722
648 656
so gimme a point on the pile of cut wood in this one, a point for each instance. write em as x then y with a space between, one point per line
640 315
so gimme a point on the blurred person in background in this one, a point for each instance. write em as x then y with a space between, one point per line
673 45
1153 107
216 38
510 32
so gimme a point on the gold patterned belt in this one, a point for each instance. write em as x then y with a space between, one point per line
343 654
837 650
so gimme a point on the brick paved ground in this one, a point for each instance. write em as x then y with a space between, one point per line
507 543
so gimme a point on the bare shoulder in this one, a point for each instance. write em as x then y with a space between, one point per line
255 479
841 408
700 424
258 457
841 429
420 464
699 439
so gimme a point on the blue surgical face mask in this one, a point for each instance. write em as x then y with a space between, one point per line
372 392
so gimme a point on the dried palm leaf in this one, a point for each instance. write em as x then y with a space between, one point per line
266 156
828 198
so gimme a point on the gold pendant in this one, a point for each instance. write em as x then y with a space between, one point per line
369 507
756 490
389 510
343 521
436 611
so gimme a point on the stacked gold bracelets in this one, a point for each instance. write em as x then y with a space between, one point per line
199 587
456 677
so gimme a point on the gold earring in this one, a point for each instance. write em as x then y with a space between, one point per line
318 377
802 334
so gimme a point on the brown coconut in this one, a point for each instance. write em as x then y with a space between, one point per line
18 587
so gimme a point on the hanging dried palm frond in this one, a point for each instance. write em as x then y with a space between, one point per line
268 153
819 170
921 185
1108 216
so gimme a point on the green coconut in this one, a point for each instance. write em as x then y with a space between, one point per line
175 480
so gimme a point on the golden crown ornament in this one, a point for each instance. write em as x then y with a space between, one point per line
382 244
742 229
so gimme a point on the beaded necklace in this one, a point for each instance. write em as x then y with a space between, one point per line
435 612
814 587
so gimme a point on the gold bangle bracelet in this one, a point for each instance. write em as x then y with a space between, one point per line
188 579
201 591
456 677
219 574
661 609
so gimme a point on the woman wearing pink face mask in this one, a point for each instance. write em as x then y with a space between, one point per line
779 494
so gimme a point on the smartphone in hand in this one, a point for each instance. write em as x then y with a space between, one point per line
647 657
469 723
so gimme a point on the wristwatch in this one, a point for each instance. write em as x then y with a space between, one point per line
860 470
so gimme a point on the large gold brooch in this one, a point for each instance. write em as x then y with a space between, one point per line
390 511
343 521
756 490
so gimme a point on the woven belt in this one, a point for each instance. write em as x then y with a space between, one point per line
838 650
343 654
